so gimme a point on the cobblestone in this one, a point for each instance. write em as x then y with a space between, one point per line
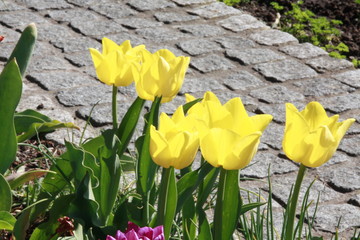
211 63
273 37
302 51
202 30
327 63
350 77
242 80
241 23
254 56
198 46
276 94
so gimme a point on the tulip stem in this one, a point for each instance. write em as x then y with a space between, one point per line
289 233
114 107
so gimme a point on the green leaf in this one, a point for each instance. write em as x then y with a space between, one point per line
24 47
10 93
189 219
17 179
204 226
167 200
128 124
188 105
5 193
247 207
7 221
206 186
29 123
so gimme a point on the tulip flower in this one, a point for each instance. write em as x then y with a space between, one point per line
175 143
134 232
117 65
161 75
311 137
229 137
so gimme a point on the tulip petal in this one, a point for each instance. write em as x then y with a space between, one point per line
343 128
315 115
96 57
108 46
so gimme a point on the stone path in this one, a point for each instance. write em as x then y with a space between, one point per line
232 54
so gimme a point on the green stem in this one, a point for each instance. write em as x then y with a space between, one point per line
294 198
114 107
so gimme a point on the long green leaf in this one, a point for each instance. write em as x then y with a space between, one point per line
24 47
10 93
189 219
7 221
247 207
17 179
5 193
204 226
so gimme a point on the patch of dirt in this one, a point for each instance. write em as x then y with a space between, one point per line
347 11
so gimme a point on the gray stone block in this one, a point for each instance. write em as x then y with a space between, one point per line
322 87
302 51
170 107
68 15
350 146
9 36
241 23
278 110
8 5
235 42
214 10
49 62
276 94
136 23
258 167
200 85
42 5
254 56
202 30
273 37
121 37
160 34
79 59
146 5
342 103
97 28
113 10
53 32
190 2
198 46
338 157
351 78
171 17
355 200
19 20
242 80
323 64
281 71
75 44
57 80
273 136
211 63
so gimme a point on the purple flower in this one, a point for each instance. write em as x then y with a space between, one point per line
134 232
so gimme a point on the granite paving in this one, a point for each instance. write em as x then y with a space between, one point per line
232 54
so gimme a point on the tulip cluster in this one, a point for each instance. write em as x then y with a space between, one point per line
134 232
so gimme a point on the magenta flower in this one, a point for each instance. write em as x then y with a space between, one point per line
134 232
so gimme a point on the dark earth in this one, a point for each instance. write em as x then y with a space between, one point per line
345 10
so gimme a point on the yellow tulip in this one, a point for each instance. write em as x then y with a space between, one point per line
175 143
228 136
117 65
311 137
162 74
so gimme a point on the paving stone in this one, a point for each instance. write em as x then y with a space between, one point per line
258 168
82 3
113 10
135 23
190 2
153 48
42 5
241 23
21 19
281 186
342 103
42 49
355 200
345 177
350 77
80 59
102 114
242 80
9 34
347 145
160 34
254 55
202 30
31 100
121 37
273 37
73 15
7 5
49 62
198 46
52 32
211 63
225 96
97 28
338 157
273 136
200 84
75 44
303 50
170 107
57 80
326 63
322 87
171 17
328 222
214 10
235 42
281 71
146 5
277 110
85 95
276 94
6 50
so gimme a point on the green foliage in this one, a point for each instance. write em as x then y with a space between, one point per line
233 2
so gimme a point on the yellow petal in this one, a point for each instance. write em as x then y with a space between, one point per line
96 57
108 46
314 114
159 149
343 128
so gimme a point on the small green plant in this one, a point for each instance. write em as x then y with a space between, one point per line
234 2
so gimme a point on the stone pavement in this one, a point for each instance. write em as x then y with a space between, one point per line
232 54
